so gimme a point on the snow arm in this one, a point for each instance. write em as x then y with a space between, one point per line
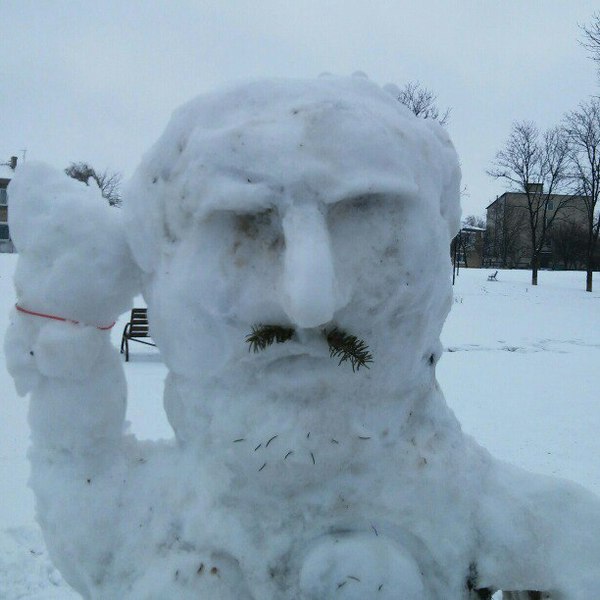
74 264
540 533
74 276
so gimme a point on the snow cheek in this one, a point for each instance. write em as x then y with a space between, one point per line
250 263
366 272
219 280
67 351
395 278
191 338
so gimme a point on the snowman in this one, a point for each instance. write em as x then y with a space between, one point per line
291 240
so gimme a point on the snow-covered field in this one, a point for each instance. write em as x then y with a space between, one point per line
520 372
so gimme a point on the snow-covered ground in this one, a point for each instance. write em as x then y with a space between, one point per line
520 372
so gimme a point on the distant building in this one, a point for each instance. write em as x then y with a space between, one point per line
6 173
467 247
508 234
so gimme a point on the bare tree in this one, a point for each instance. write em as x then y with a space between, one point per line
591 39
109 183
536 165
474 221
583 129
422 102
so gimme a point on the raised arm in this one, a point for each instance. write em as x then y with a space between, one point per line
74 277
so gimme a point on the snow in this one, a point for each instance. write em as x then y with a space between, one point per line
529 357
556 403
313 205
26 571
309 294
74 258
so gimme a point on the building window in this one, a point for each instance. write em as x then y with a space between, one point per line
4 236
550 205
3 197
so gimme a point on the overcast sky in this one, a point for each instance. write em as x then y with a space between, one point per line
97 80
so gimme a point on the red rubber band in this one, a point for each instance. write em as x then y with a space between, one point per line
56 318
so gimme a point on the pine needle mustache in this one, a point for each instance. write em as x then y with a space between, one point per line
346 347
265 335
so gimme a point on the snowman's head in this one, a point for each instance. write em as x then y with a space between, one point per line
306 205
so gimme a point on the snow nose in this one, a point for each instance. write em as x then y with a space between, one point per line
308 275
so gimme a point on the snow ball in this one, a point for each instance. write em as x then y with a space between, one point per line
73 257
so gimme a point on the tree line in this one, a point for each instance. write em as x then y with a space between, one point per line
554 170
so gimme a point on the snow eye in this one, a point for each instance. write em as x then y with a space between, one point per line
360 203
253 225
262 228
355 206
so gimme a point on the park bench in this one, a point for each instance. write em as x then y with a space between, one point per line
493 276
136 329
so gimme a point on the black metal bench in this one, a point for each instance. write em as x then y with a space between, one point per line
493 276
134 330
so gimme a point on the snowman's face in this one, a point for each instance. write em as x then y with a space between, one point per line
361 264
310 206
